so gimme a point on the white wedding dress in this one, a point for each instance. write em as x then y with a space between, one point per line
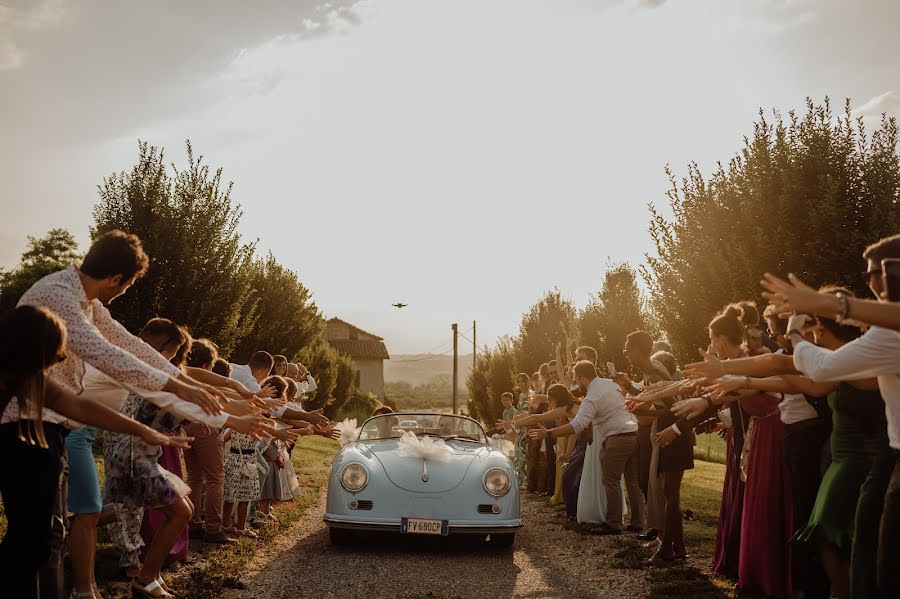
591 496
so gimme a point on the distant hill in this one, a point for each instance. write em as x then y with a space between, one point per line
420 369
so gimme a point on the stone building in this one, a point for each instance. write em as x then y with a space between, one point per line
365 349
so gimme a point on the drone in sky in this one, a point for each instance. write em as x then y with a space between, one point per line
399 305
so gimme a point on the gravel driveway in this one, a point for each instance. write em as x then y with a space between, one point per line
548 560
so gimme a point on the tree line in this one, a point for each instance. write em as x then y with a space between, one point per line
804 194
202 273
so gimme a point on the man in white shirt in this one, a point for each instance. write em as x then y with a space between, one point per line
254 372
875 354
604 405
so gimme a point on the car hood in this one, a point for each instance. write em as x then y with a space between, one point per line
406 472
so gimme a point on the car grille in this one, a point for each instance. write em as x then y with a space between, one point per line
364 504
486 508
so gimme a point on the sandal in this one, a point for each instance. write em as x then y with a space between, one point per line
165 587
247 532
144 592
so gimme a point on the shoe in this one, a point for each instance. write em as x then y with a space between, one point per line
652 544
631 528
218 538
195 531
661 561
246 532
650 535
606 530
257 523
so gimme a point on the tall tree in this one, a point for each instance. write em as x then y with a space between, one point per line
492 376
615 311
201 273
334 374
42 256
552 320
805 194
288 318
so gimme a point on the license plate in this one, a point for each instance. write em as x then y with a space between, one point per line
420 526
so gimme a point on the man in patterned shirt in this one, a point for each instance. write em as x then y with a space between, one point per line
79 296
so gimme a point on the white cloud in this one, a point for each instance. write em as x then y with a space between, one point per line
16 17
888 102
10 55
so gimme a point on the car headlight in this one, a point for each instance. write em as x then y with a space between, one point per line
354 477
496 482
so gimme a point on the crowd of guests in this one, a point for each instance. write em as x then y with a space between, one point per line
68 369
807 397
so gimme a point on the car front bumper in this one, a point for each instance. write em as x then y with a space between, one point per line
394 525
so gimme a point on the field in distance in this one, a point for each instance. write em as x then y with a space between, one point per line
424 381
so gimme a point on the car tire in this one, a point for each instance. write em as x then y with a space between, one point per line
503 540
340 536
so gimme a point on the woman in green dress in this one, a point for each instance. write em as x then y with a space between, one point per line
858 435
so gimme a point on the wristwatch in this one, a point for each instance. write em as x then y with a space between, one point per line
843 308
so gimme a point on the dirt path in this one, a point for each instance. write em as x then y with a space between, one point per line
548 560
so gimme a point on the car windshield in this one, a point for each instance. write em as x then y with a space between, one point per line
447 426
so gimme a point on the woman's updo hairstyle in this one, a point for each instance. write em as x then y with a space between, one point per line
728 323
749 313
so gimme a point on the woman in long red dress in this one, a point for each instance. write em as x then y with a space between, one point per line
726 335
764 565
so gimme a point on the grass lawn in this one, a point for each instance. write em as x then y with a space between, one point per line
701 494
710 448
220 568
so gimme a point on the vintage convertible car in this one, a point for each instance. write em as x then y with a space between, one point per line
423 474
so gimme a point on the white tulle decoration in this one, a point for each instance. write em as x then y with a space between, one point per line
426 448
506 446
348 430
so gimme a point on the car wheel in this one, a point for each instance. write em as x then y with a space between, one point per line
503 540
340 536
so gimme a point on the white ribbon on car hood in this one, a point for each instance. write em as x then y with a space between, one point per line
348 430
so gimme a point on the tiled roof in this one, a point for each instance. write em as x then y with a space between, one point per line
361 350
357 329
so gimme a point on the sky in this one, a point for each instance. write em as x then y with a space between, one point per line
461 156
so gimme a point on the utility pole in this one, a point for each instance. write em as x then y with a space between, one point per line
474 349
455 369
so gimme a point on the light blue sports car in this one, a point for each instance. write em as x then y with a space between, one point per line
423 474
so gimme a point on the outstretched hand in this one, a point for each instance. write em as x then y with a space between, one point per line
794 295
154 437
540 433
690 408
710 368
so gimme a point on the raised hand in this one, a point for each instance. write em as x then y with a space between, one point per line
710 368
794 295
